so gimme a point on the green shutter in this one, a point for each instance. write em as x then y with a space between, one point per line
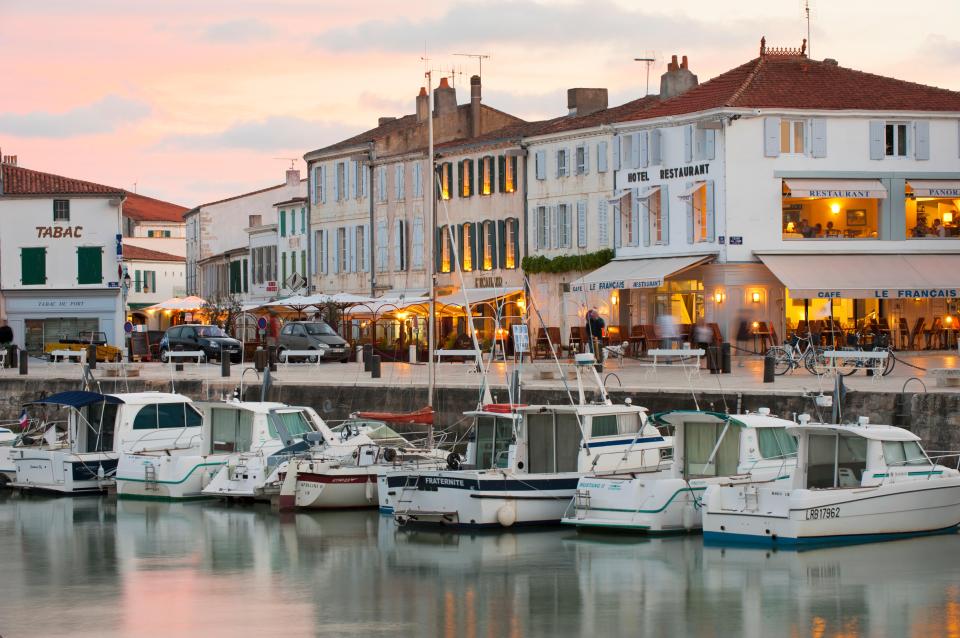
246 276
283 260
448 167
516 242
283 223
137 283
303 263
501 173
492 242
303 220
90 265
477 245
501 260
460 178
513 166
460 245
33 266
437 253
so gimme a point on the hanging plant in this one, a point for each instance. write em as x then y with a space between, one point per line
537 264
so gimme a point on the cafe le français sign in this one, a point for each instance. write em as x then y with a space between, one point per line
879 293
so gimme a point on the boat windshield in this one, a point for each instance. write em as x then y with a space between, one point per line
835 461
700 441
903 453
493 442
553 442
775 443
384 433
295 422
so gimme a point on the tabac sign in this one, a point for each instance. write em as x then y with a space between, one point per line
59 232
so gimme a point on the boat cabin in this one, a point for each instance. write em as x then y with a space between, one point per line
237 427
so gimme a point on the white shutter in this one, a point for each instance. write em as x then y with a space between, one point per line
417 242
709 144
644 148
569 161
336 181
352 178
664 214
689 206
553 241
540 161
365 180
323 184
711 211
771 137
351 249
325 258
313 184
337 250
617 226
922 145
601 157
416 180
818 143
586 159
399 178
635 150
645 219
381 241
367 247
656 154
603 213
688 143
616 151
635 218
877 130
582 224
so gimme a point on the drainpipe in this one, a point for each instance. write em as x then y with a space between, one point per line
310 269
373 265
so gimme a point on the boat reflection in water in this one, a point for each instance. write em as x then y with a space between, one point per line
96 567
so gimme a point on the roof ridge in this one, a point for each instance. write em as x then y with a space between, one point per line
746 82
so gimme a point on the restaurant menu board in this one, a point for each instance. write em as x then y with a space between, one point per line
521 338
139 344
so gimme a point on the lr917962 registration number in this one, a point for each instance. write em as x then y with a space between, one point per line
820 513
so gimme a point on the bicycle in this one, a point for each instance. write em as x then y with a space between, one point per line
851 365
797 351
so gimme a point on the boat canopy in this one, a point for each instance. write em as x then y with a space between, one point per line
874 432
77 399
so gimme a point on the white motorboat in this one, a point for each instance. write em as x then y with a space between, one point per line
248 471
852 483
78 452
321 480
709 448
229 428
8 471
525 461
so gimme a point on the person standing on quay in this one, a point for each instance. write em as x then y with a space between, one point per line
595 326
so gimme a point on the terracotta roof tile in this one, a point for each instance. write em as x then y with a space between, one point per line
143 208
17 180
145 254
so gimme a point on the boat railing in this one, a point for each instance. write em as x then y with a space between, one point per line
936 456
141 444
783 458
663 463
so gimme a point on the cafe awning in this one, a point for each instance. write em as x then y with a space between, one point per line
873 276
635 273
843 188
477 295
934 188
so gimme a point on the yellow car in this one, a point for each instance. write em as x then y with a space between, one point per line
105 352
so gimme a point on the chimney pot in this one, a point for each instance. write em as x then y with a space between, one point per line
293 177
683 63
444 98
678 79
423 91
444 84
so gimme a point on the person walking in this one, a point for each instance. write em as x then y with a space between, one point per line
595 327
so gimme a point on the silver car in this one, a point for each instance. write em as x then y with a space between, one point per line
314 335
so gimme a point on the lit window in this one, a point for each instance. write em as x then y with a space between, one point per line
467 247
444 249
509 173
896 140
486 170
487 246
466 175
510 244
699 201
656 222
792 136
445 172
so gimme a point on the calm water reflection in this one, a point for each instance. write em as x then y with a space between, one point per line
86 566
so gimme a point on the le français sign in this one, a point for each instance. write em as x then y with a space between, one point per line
59 232
663 174
880 293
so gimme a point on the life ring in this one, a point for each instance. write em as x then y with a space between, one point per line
453 461
389 455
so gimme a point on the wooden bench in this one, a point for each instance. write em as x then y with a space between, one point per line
170 355
874 360
284 356
946 377
63 355
663 356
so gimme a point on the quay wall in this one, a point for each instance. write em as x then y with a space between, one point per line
935 417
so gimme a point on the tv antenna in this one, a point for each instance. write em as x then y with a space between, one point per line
292 160
649 59
480 58
805 8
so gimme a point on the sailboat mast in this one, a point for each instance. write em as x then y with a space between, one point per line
432 261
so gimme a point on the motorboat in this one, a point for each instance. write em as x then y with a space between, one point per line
285 432
74 447
853 483
321 480
229 429
8 471
709 448
525 461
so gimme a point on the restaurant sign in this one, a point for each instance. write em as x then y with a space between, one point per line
662 174
616 284
879 293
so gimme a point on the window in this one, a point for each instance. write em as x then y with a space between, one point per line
445 175
296 424
511 243
896 139
581 160
563 168
417 180
699 202
342 248
382 184
61 210
167 415
33 266
90 265
359 178
486 175
509 171
488 237
144 281
264 259
340 187
543 227
399 178
812 217
418 242
792 136
466 247
231 430
444 249
629 211
465 170
604 425
540 165
932 213
898 453
775 443
656 219
564 226
361 257
399 245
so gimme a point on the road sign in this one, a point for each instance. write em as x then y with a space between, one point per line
295 281
262 323
128 327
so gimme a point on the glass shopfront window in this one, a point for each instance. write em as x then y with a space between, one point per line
682 300
831 209
932 217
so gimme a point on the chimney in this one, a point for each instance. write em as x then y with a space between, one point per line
293 177
475 105
586 101
383 120
444 99
254 220
678 79
423 105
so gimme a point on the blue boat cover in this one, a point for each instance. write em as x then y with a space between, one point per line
76 399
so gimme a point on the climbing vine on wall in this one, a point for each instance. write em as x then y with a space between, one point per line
537 264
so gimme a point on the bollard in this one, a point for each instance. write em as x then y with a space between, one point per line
359 354
272 358
375 366
92 356
713 359
260 359
224 365
725 357
24 357
413 353
768 365
129 352
12 353
367 354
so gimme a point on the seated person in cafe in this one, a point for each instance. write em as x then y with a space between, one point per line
805 229
817 230
831 231
921 230
938 230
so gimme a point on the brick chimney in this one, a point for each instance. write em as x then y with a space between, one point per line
444 98
293 177
678 79
423 105
384 120
475 106
586 101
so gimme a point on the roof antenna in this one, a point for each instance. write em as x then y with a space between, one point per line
480 58
650 58
292 160
806 13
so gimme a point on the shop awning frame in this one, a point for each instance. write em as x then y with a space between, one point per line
636 274
935 187
836 188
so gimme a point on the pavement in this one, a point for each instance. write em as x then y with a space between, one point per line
910 373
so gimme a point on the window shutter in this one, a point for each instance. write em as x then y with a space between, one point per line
568 161
367 247
603 233
471 177
645 220
617 226
460 245
689 207
586 159
818 129
665 214
398 181
437 249
711 211
644 149
709 144
553 238
459 187
500 255
922 145
635 156
635 217
90 265
581 224
351 169
476 232
656 155
313 184
336 182
877 131
688 143
283 223
337 248
771 137
137 281
416 179
293 222
616 152
515 241
323 184
538 162
351 249
601 157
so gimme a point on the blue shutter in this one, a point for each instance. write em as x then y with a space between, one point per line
771 137
635 150
582 224
688 143
711 211
877 141
709 144
313 184
603 223
323 184
601 157
921 146
656 147
336 181
645 219
337 250
367 248
818 144
616 152
644 137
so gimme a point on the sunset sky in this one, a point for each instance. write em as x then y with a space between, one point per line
194 101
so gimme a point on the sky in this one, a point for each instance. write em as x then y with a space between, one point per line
195 101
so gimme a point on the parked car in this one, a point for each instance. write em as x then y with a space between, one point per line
314 335
211 339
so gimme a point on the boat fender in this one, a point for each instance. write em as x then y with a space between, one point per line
507 514
453 461
689 517
389 455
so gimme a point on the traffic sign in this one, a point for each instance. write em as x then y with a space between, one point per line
262 323
128 327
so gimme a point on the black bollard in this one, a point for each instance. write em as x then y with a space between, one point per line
224 365
725 357
713 359
12 353
260 359
24 357
272 358
92 357
375 366
768 365
367 354
129 351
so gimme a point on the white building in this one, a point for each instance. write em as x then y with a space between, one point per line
788 190
154 224
154 277
60 254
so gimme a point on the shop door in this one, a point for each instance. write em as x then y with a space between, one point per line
33 336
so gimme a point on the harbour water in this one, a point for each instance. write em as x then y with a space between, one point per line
93 566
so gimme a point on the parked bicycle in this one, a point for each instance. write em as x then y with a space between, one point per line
881 343
798 351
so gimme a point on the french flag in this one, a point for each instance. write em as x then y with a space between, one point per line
23 419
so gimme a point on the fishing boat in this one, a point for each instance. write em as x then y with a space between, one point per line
709 448
524 464
853 483
76 448
228 428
